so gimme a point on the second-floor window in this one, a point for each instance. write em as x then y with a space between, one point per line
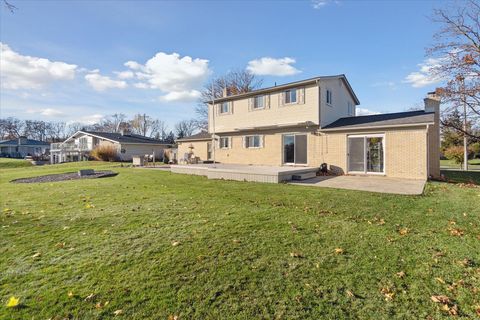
225 107
351 109
329 96
83 143
224 142
253 141
258 102
290 96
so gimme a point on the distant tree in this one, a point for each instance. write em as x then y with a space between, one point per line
10 7
456 154
185 128
11 128
56 131
457 60
170 138
234 82
450 136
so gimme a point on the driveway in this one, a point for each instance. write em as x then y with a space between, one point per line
367 183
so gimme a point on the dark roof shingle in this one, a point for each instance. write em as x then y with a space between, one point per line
30 142
383 120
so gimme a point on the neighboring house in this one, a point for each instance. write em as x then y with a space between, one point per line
199 144
78 146
310 122
22 147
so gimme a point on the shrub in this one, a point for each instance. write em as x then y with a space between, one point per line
476 149
456 153
104 153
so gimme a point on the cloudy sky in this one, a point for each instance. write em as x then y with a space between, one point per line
82 60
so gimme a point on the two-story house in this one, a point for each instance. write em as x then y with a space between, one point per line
310 122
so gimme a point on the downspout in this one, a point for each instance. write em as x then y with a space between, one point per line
428 151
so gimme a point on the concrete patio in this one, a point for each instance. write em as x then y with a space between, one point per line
367 183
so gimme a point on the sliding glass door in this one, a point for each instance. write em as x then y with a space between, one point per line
295 149
366 154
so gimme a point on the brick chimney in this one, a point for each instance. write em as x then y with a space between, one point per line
432 104
22 140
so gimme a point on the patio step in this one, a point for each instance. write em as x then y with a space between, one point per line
304 176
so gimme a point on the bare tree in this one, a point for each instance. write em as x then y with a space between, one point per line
234 82
56 131
457 56
10 7
11 128
185 128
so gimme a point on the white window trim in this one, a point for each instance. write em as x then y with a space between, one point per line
229 103
284 96
229 139
367 135
261 142
330 104
263 102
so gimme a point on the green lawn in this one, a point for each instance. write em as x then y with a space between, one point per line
6 163
473 164
158 245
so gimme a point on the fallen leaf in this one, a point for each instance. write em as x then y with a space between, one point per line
400 274
296 254
440 280
350 294
440 299
387 293
172 317
13 302
456 232
175 243
70 294
36 255
403 231
60 245
117 312
339 250
90 297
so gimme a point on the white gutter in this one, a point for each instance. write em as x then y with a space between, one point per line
377 127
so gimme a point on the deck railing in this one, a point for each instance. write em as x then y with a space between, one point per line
68 147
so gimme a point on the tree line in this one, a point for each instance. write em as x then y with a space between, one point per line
57 131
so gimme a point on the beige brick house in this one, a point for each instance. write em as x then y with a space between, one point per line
310 122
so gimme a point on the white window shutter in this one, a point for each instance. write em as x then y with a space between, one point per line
262 143
230 107
301 95
267 101
243 142
217 109
281 98
229 142
250 104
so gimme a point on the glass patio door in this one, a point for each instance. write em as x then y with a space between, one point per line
295 149
366 154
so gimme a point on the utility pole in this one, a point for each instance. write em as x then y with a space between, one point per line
144 125
465 139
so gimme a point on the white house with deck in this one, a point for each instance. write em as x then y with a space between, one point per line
78 146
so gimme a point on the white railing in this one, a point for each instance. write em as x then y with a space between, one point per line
68 147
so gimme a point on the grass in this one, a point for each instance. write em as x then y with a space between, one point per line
473 164
157 245
6 163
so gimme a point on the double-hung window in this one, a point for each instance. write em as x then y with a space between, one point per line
224 142
290 96
329 97
253 141
225 107
258 103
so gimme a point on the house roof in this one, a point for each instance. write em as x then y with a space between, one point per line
290 85
125 138
201 136
30 142
382 120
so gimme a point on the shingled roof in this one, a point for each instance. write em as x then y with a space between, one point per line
201 136
28 142
382 120
125 138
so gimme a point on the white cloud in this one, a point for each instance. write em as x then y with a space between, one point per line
267 66
364 112
181 96
125 74
179 78
27 72
90 119
48 112
424 76
101 83
319 4
389 84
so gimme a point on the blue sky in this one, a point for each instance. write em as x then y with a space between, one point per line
81 60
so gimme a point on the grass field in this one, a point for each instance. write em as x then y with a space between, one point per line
473 164
151 244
